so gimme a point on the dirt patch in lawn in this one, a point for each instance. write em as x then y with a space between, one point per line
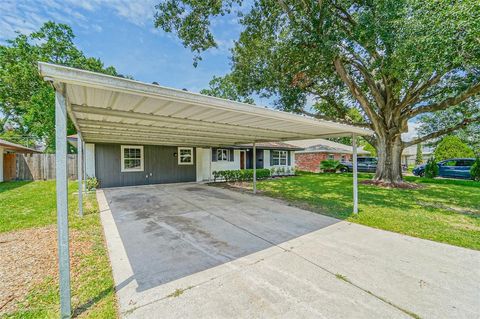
28 257
402 185
237 186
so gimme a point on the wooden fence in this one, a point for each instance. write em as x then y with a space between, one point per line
27 167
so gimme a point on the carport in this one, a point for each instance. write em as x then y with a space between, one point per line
111 109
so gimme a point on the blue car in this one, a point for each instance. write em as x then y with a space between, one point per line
451 168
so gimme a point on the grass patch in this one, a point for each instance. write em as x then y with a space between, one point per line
444 211
33 204
178 292
342 277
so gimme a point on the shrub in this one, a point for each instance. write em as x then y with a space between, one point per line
419 155
452 147
216 175
475 170
273 171
240 175
431 168
91 183
329 166
280 171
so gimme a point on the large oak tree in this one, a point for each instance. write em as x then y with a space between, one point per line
391 60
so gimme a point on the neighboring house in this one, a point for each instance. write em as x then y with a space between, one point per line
123 165
7 158
409 154
317 150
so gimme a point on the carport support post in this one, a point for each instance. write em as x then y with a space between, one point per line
62 202
84 174
254 168
80 174
355 174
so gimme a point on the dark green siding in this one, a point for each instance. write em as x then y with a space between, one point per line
160 166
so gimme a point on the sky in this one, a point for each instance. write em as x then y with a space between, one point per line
122 34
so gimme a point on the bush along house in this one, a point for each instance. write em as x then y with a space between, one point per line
315 151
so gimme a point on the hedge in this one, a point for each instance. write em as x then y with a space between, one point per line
240 175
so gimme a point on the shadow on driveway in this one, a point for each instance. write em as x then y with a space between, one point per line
173 231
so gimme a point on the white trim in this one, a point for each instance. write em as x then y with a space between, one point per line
128 170
89 160
191 155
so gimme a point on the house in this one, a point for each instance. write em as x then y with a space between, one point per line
409 155
317 150
182 164
7 158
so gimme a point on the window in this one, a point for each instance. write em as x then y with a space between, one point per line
185 156
279 158
344 158
449 163
331 157
132 158
222 154
464 162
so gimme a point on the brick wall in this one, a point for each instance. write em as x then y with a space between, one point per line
311 161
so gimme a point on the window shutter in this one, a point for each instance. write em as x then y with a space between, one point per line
231 154
214 154
289 159
271 157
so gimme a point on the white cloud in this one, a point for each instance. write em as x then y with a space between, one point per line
24 16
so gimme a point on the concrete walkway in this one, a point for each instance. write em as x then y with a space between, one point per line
194 251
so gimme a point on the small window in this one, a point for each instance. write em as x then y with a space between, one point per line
132 158
222 154
185 156
279 158
344 158
331 157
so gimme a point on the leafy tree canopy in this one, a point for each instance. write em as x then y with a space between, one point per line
452 147
390 60
224 88
470 134
26 100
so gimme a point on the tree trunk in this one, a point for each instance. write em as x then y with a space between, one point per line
389 167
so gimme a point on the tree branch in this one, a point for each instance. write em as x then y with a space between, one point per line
412 97
328 118
451 101
439 133
377 94
355 90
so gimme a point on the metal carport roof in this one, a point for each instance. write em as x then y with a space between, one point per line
112 109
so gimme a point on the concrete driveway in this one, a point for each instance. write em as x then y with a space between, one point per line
195 251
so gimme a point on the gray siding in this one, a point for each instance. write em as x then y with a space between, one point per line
160 166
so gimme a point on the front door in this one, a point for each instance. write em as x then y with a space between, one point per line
242 159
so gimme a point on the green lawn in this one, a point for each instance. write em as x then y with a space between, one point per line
32 204
446 211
